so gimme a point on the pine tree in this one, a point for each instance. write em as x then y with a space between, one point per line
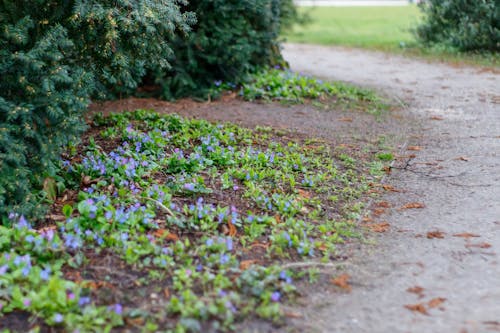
55 55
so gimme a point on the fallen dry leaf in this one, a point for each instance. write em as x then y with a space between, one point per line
137 321
479 245
419 307
435 302
379 227
413 205
437 118
390 188
232 229
347 120
383 204
245 264
414 148
466 235
166 293
304 194
378 211
290 314
462 158
367 219
165 234
435 234
342 281
416 290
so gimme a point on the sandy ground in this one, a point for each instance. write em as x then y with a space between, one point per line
453 129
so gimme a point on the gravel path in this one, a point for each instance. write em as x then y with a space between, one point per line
455 174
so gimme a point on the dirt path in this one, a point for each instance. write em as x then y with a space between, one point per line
456 175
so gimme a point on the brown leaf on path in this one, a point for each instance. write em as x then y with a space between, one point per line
416 290
435 302
390 188
462 158
419 307
166 293
479 245
379 227
383 204
346 119
342 281
413 205
367 219
378 211
290 314
414 148
436 118
435 234
466 235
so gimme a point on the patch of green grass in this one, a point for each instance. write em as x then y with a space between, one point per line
175 224
385 29
382 28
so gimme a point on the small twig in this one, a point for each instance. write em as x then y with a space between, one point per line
162 206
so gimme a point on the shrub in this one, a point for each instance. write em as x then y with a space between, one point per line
231 39
53 57
465 25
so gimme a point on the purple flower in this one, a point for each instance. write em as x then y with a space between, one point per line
275 296
44 274
22 223
108 215
83 300
189 186
70 295
3 269
284 276
117 308
229 243
26 302
26 270
58 318
224 259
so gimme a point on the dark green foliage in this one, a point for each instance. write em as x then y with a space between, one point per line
231 39
54 55
289 15
465 25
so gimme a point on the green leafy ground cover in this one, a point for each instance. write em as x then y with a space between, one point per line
165 223
286 86
175 224
387 29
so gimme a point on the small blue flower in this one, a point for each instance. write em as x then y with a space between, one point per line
275 296
58 318
224 259
83 300
44 274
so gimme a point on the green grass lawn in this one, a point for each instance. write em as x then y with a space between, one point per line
385 29
382 28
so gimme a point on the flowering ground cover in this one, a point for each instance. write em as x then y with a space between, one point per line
176 224
165 223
